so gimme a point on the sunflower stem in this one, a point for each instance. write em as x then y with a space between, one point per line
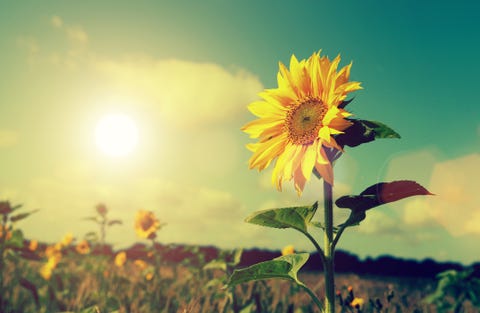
329 249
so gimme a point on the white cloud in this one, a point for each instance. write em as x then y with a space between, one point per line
188 94
456 203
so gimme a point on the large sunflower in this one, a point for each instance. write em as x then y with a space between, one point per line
298 119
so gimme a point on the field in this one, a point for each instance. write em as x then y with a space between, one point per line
99 283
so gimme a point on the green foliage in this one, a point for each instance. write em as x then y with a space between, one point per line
284 267
294 217
454 289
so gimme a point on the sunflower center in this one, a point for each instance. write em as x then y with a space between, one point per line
304 121
146 223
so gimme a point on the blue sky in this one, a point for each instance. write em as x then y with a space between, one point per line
185 71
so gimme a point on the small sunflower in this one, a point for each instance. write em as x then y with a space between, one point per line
298 120
33 245
66 240
290 249
83 247
120 259
146 224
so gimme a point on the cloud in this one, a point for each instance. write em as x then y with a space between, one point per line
456 204
8 138
56 21
188 94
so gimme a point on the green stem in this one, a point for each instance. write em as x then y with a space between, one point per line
317 246
329 252
337 236
314 297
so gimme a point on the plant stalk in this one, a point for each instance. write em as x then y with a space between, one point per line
329 249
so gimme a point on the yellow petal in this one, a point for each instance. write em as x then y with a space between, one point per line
326 171
309 160
299 181
266 152
266 109
256 127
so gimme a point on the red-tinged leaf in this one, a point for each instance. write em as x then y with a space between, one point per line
396 190
382 193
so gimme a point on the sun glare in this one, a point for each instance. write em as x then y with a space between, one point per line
116 135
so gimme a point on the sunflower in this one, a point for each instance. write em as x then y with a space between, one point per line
83 247
120 259
297 120
146 224
290 249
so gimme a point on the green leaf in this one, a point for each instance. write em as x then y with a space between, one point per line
362 131
16 241
381 193
284 267
21 216
294 217
237 256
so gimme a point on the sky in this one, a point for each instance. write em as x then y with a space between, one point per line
184 73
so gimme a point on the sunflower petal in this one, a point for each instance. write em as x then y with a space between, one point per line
309 160
326 171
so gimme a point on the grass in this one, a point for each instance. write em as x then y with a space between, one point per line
93 283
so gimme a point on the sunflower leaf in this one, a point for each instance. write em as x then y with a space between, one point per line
16 241
21 216
381 193
362 131
294 217
284 267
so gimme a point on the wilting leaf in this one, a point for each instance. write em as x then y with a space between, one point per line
362 131
21 216
295 217
91 218
284 267
114 222
382 193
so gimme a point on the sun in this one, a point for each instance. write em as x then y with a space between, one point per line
116 135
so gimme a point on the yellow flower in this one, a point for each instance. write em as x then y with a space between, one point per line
47 269
288 250
33 245
67 240
298 119
146 224
357 303
83 247
149 276
120 259
141 264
